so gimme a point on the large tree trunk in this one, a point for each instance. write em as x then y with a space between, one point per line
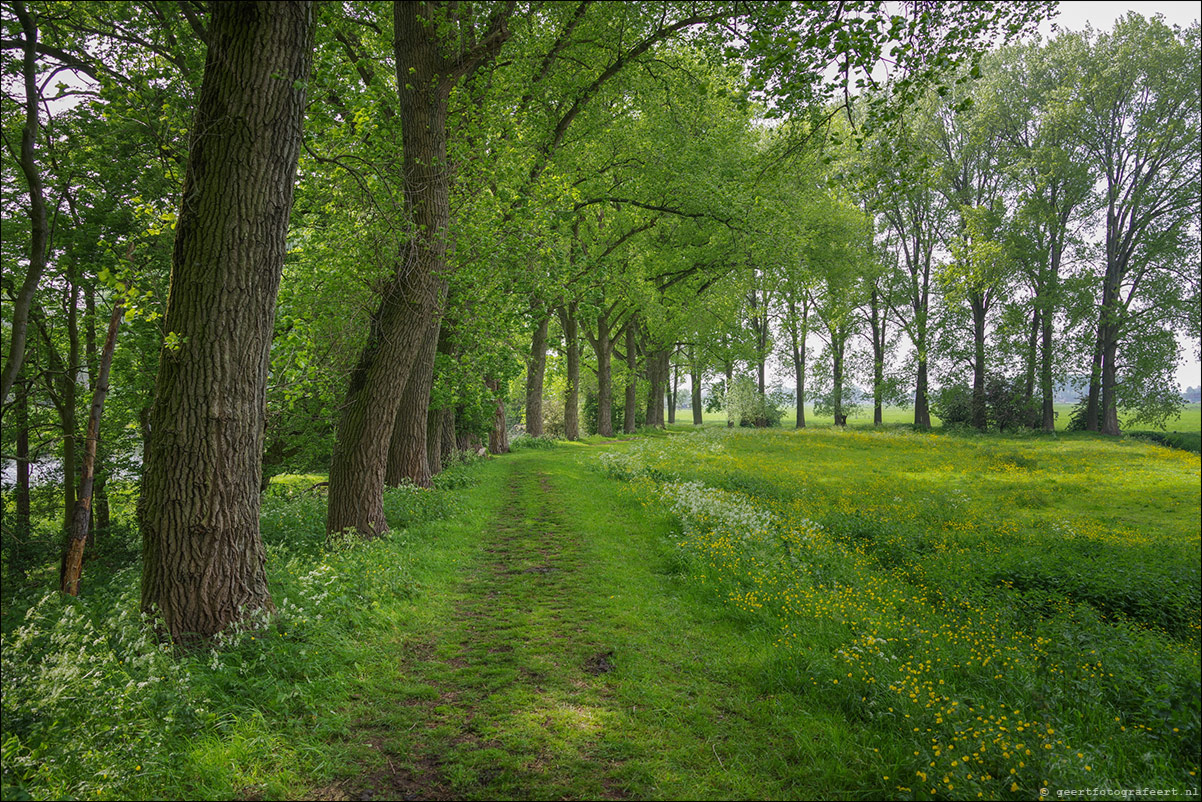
1045 374
449 448
605 395
629 422
571 402
978 363
1110 416
411 301
604 347
429 62
878 356
799 376
695 380
672 393
1032 353
657 377
408 460
839 344
440 422
498 436
1108 337
39 226
1093 416
19 531
203 560
73 558
434 441
798 340
922 407
535 373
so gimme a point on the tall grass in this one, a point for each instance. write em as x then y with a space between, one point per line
95 705
1010 615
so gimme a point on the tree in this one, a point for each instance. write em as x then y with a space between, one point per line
82 518
1138 91
898 180
434 48
1027 99
203 561
969 178
39 224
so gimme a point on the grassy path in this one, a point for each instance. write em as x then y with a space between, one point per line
563 660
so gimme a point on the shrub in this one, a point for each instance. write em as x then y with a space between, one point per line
1008 406
523 440
1076 418
747 406
953 405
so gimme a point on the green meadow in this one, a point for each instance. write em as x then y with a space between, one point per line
714 614
1189 419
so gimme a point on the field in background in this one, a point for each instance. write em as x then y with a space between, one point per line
1007 614
1190 419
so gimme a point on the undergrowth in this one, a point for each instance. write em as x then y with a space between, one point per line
998 636
96 706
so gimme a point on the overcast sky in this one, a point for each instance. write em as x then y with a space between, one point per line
1076 14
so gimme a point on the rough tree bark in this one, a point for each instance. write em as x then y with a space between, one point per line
695 381
571 400
837 378
498 435
1032 355
657 377
672 393
429 63
980 308
629 422
876 320
72 565
203 560
39 227
449 447
434 441
408 459
536 371
603 346
1045 372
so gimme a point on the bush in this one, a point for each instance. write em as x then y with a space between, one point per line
554 413
953 405
523 440
1008 406
717 396
617 413
747 406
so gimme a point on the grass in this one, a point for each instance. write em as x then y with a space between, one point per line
1188 421
823 614
1005 614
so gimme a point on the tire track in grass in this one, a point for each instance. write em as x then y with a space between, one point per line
521 692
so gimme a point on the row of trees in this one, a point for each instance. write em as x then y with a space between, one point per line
1038 223
392 211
